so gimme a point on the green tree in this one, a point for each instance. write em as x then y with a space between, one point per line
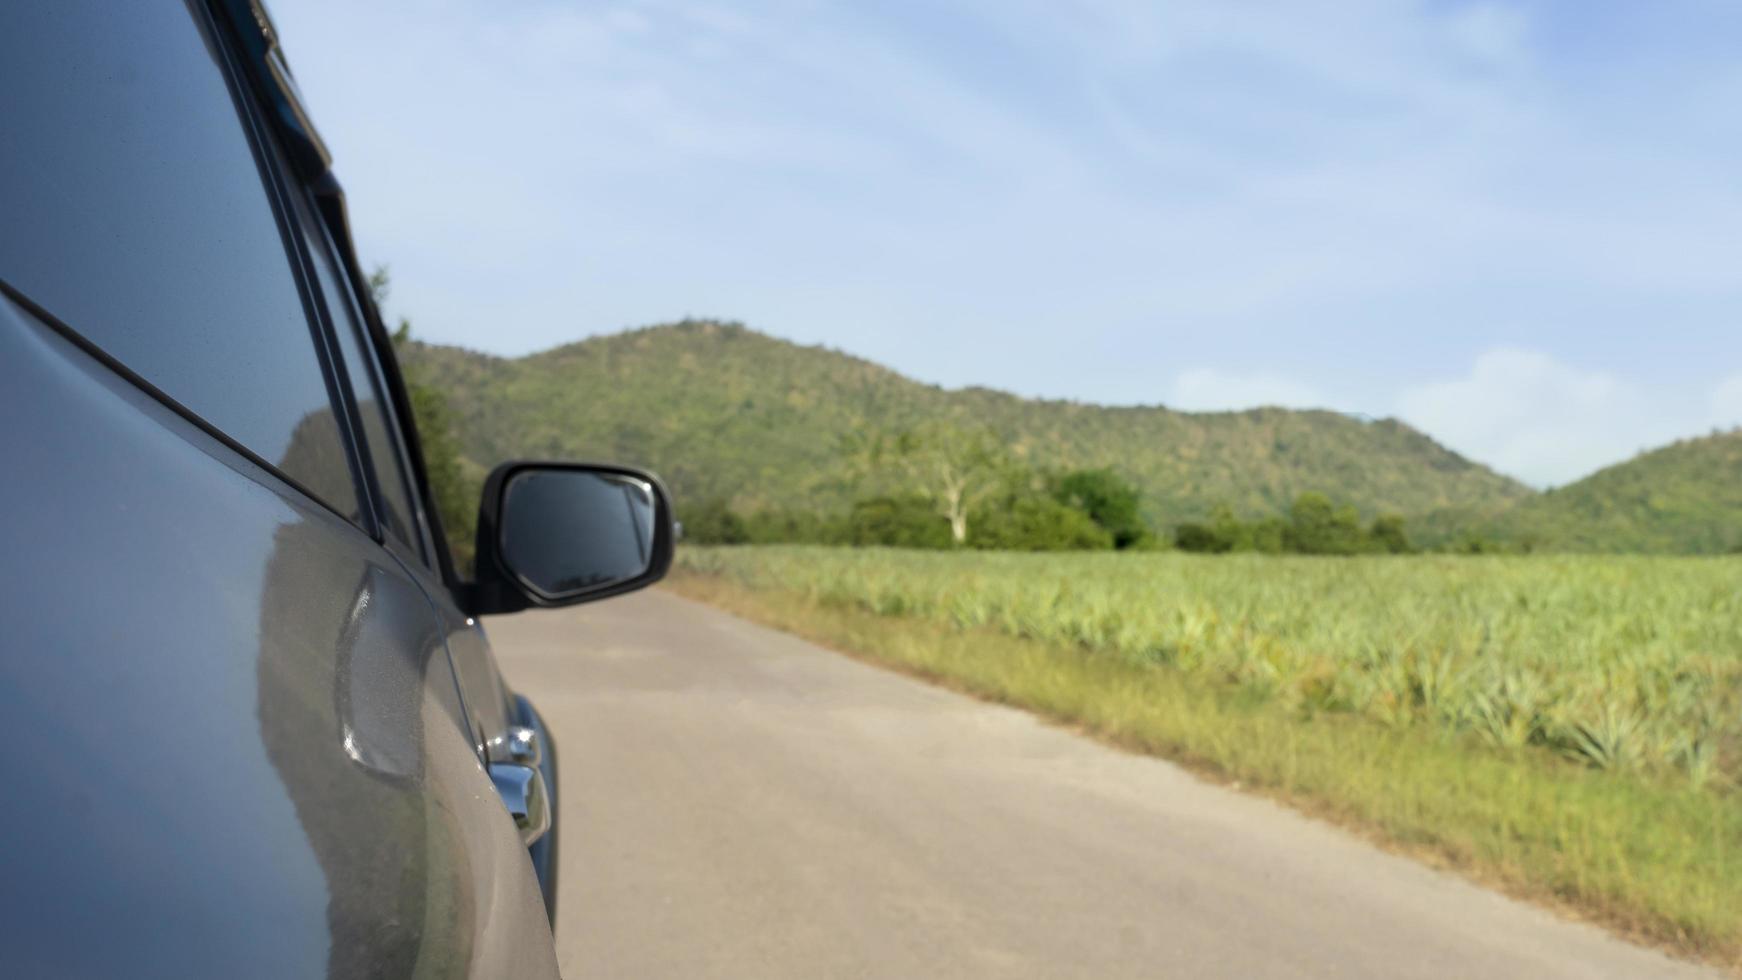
1387 534
1232 533
953 467
456 495
1474 543
1108 499
790 526
1266 535
901 522
712 521
1025 521
1201 538
1318 527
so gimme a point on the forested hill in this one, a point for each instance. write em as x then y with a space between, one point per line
724 412
1685 497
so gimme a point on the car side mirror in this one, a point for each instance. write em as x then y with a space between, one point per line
557 534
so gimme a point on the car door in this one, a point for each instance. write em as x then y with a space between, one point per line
238 744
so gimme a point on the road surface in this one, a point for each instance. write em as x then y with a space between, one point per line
740 803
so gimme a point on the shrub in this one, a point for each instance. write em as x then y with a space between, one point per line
1387 534
1108 500
712 522
1315 526
1201 538
900 522
1318 527
1031 522
792 527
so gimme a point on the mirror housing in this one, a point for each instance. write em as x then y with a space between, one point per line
559 534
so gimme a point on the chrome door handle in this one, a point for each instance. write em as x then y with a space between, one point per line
524 794
519 745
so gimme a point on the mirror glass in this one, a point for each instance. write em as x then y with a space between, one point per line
570 531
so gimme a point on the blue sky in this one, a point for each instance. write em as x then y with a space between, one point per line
1516 225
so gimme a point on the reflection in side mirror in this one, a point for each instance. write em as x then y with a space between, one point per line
565 532
553 534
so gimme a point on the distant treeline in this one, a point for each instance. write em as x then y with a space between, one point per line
1078 511
1081 510
1314 526
942 486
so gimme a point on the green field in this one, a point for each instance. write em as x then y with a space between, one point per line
1566 727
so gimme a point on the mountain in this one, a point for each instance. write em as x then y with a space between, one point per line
725 412
1685 497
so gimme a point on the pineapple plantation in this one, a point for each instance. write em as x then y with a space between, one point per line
1568 727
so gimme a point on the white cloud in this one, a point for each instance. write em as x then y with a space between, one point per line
1536 418
1210 390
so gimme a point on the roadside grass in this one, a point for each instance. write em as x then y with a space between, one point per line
1649 854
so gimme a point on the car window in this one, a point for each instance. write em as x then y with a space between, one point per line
136 214
366 389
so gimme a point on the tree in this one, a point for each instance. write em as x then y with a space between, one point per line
786 525
954 468
1315 526
900 522
712 521
1318 527
456 496
1022 521
1474 543
1387 534
1267 535
1231 533
1108 499
1201 538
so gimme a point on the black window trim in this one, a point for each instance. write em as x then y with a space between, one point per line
331 199
429 518
298 266
303 230
419 547
273 150
258 44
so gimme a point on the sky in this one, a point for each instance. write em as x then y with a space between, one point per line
1514 225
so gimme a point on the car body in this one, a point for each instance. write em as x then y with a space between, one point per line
256 729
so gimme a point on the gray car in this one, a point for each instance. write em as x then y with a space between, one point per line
256 729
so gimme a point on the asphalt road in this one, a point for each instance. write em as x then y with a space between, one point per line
740 803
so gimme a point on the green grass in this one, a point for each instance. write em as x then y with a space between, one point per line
1566 728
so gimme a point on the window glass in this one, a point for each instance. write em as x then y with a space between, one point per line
134 212
365 388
